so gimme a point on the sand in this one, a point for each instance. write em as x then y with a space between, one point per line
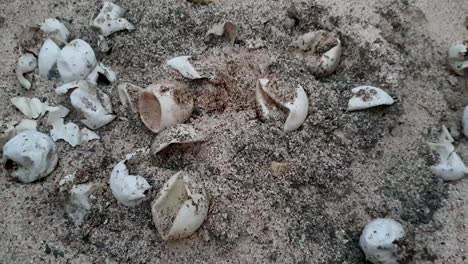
300 197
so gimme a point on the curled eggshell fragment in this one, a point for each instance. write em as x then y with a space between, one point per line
368 96
450 167
76 61
31 154
56 31
129 190
128 95
293 108
110 20
457 57
178 134
184 67
48 56
180 208
32 107
320 50
25 64
378 240
71 133
164 104
86 100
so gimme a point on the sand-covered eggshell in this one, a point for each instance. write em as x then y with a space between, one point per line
76 61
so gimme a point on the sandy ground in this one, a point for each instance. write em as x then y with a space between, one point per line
342 169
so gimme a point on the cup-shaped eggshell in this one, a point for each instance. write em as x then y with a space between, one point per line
76 61
164 104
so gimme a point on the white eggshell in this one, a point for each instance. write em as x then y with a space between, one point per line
85 100
30 107
178 134
56 31
71 133
184 67
79 205
48 56
377 240
76 61
179 210
26 63
110 20
367 97
457 58
34 153
164 104
129 190
298 111
101 69
465 121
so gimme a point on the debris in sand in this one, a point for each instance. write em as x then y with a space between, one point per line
129 190
180 208
458 58
273 108
450 166
128 95
279 168
71 133
102 70
31 155
378 240
368 96
178 134
32 107
66 182
13 128
76 61
26 63
79 203
93 104
48 56
30 40
56 31
465 121
320 50
164 104
201 2
184 67
110 20
226 29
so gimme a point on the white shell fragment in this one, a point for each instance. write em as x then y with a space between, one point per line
79 205
450 166
164 104
367 97
226 29
76 61
457 57
129 190
71 133
56 31
320 50
34 154
14 128
26 63
128 95
180 208
32 107
465 121
85 100
377 240
110 20
179 134
48 56
107 72
184 67
272 108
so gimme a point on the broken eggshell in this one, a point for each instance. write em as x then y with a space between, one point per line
164 104
102 70
129 190
178 134
110 20
13 128
180 208
25 64
226 29
32 107
465 121
272 108
457 58
34 153
450 167
48 56
184 67
128 95
367 97
378 240
30 39
85 99
56 31
76 61
79 205
71 133
320 50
